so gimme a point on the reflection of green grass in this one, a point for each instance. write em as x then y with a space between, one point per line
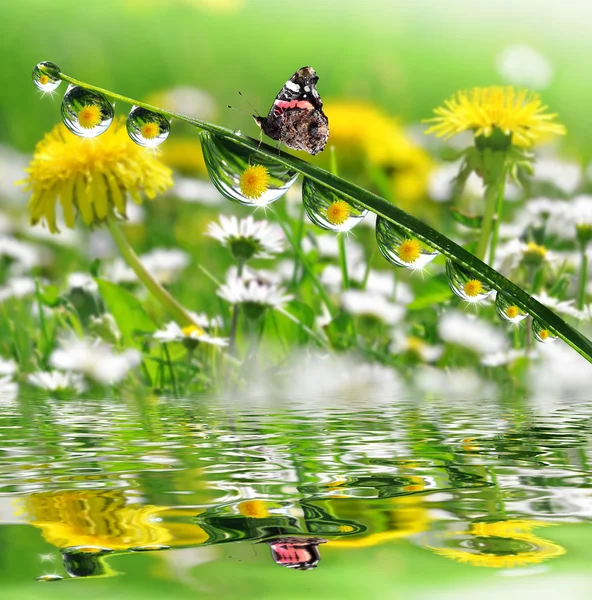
396 570
404 57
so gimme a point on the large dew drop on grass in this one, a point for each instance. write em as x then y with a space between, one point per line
400 247
147 128
328 210
45 76
509 311
542 334
229 163
465 284
86 113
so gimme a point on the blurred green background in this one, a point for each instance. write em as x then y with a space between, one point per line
405 56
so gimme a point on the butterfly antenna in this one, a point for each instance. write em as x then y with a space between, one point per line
256 111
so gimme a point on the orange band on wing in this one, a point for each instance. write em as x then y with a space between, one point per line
294 104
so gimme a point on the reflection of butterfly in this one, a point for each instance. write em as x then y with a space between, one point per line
296 118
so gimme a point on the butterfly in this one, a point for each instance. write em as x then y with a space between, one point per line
296 117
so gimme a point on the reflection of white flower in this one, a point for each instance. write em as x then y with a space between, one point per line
56 381
253 291
497 359
454 384
255 239
357 302
470 332
7 367
523 65
173 333
95 360
8 389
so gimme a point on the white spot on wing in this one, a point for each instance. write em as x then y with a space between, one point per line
307 88
294 87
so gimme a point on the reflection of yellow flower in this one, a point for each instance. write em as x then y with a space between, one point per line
89 116
503 545
103 518
90 177
473 288
520 114
254 181
254 509
409 250
338 212
384 143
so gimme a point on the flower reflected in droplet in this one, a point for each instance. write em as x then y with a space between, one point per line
254 181
89 116
338 212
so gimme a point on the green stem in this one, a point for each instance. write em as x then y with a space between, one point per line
497 219
171 370
343 261
388 211
235 311
583 278
298 240
491 195
164 298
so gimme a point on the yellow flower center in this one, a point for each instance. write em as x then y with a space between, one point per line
255 509
150 130
473 288
89 116
409 251
544 334
414 344
535 250
512 311
254 181
190 329
44 79
338 212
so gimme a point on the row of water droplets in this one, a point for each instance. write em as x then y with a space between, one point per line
88 114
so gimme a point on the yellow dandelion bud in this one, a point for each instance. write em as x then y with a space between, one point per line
150 130
512 311
91 179
519 114
89 116
409 251
473 288
338 212
254 181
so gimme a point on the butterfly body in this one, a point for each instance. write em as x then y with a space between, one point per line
296 117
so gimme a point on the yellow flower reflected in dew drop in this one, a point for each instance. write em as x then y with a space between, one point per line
254 181
473 288
520 114
338 212
150 130
91 179
44 80
409 251
89 116
512 311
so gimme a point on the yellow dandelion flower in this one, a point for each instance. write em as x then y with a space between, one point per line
544 334
254 181
150 130
338 212
254 509
90 178
409 251
473 288
90 116
44 80
516 113
512 311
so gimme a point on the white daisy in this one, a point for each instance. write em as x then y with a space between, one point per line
470 332
454 384
402 344
371 304
497 359
82 281
247 238
189 189
57 381
254 295
17 287
565 307
96 360
24 254
521 64
7 367
564 175
174 333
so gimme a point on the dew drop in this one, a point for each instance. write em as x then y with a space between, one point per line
328 210
509 311
542 334
465 284
400 248
150 548
243 175
45 76
147 128
86 113
49 577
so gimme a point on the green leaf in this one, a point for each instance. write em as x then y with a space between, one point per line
470 221
341 332
433 291
130 316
